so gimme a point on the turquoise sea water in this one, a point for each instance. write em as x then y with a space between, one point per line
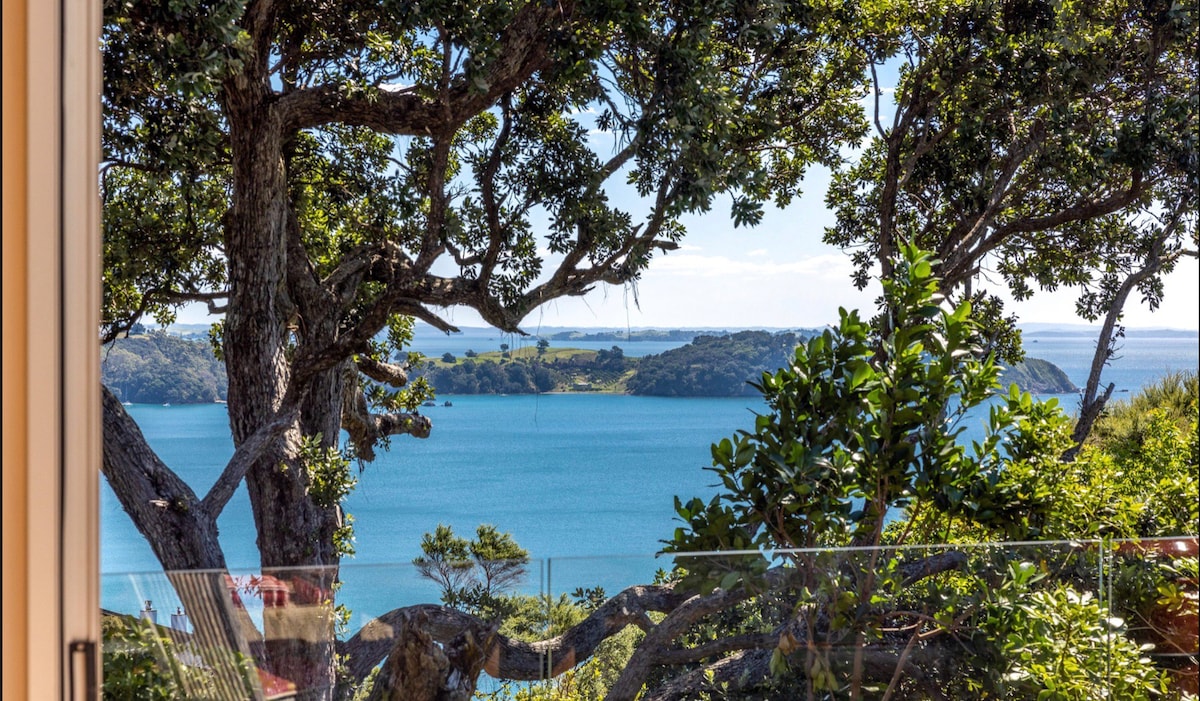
585 480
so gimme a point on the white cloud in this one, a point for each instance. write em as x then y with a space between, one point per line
757 252
692 265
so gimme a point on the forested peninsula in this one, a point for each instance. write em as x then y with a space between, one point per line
714 366
158 367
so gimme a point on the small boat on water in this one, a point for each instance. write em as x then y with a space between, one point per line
166 403
127 403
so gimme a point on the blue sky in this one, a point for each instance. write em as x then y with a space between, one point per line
781 274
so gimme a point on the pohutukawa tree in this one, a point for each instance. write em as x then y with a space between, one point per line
326 172
1053 144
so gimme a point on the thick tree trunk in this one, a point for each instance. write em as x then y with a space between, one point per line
293 532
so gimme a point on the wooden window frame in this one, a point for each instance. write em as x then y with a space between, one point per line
51 380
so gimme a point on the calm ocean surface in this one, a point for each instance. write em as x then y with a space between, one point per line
584 480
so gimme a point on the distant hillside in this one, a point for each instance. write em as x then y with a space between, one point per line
159 367
709 366
628 336
713 366
1038 376
195 331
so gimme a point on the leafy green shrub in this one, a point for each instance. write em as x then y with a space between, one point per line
1122 428
1139 476
599 673
132 650
533 618
148 662
863 423
473 574
588 682
1062 645
866 419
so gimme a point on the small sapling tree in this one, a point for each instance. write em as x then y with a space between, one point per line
472 573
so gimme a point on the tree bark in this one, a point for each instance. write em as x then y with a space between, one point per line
256 336
420 669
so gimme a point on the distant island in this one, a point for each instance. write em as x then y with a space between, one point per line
156 367
1038 376
658 335
714 366
1033 330
709 366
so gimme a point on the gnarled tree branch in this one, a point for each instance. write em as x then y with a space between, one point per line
163 507
386 373
508 658
367 428
248 453
522 52
1093 401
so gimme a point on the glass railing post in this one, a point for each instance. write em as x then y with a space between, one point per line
547 668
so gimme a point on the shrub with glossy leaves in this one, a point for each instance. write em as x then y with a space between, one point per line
1059 644
866 420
